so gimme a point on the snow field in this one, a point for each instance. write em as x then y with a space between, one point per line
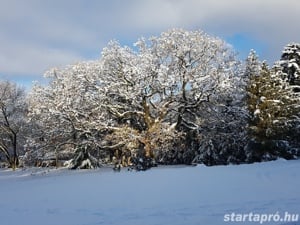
164 195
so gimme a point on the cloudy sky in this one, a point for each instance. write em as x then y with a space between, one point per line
36 35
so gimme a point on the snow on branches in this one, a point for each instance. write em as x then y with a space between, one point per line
143 101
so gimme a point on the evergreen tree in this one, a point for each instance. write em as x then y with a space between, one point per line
289 69
252 77
270 114
252 67
272 106
290 63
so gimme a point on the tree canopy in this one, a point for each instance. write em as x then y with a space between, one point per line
180 97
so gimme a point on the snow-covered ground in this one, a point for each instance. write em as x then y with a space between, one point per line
167 196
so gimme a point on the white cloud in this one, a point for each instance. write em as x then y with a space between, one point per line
32 59
267 20
36 35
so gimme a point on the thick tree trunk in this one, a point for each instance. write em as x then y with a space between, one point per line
13 160
15 157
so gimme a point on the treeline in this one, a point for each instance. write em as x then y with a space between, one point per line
179 98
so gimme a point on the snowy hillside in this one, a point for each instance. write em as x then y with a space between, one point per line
169 195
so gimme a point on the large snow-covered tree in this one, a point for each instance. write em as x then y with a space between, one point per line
13 109
168 84
142 101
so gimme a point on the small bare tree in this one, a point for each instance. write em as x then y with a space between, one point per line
12 120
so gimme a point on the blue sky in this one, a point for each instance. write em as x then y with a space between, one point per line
37 35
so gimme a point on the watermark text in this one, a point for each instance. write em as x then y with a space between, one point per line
261 218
